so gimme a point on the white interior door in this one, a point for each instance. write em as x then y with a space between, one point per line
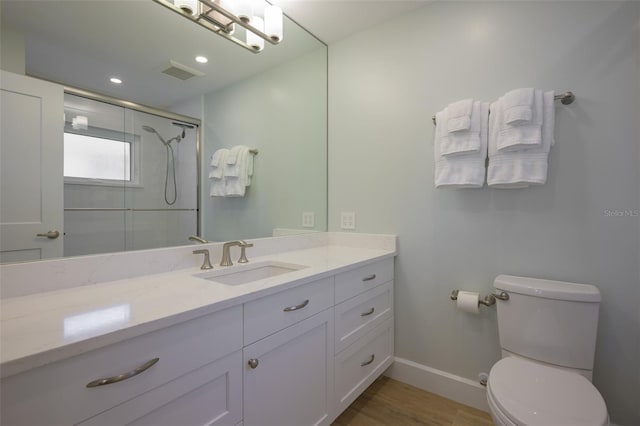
31 168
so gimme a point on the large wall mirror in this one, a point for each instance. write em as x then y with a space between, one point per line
135 177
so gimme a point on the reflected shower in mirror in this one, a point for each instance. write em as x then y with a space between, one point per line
126 186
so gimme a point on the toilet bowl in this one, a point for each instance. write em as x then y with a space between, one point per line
522 392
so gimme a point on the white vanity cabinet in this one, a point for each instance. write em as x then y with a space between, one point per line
288 360
297 357
312 350
287 376
57 394
210 395
364 329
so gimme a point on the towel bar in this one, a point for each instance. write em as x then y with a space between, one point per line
565 98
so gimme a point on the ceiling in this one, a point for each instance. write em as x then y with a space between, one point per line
84 43
333 20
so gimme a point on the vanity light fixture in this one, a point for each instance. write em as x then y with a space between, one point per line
260 20
115 80
202 59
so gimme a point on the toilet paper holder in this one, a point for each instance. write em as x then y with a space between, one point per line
488 300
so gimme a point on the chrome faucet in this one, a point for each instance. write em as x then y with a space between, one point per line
226 257
206 264
198 239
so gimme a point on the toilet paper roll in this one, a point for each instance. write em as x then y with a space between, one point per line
468 301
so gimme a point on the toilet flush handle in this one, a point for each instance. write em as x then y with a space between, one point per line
502 295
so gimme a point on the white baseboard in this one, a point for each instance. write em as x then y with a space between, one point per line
440 382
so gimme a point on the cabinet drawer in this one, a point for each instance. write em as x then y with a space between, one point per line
57 393
210 395
269 314
358 315
361 363
352 283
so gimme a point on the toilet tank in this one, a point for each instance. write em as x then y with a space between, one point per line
549 321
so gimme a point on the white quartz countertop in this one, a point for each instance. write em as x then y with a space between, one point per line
42 328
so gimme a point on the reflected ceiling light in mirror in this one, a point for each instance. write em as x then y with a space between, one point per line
222 17
201 59
80 122
115 80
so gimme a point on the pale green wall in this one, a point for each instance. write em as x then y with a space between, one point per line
12 54
282 113
387 82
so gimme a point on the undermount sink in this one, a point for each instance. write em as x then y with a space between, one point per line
244 274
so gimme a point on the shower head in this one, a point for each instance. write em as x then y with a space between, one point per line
152 130
183 127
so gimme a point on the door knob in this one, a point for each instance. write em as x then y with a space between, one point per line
253 363
52 235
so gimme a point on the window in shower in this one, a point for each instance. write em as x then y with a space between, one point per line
100 160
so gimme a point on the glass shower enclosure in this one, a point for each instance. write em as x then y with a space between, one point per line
130 178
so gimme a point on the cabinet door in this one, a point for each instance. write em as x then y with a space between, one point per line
210 395
288 376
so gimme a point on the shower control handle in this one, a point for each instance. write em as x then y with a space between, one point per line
52 235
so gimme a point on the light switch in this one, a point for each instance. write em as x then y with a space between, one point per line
348 220
308 219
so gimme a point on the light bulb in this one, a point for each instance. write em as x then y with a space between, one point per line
254 40
273 23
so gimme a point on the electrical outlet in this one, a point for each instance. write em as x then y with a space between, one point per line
308 219
348 220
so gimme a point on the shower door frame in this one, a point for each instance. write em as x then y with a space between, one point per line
196 122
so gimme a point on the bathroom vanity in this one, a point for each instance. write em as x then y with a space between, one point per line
291 338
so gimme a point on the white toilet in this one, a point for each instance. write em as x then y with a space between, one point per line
548 337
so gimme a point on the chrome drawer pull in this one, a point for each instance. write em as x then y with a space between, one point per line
115 379
368 312
364 364
297 307
369 278
253 363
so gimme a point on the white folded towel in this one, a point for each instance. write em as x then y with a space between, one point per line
518 169
464 170
523 136
235 185
463 142
218 161
518 106
231 167
459 115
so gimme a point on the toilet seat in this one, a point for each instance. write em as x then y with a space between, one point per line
528 393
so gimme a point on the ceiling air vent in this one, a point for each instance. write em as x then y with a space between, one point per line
181 72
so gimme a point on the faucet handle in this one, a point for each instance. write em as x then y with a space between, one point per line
243 254
206 264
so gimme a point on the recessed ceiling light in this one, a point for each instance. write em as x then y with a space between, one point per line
115 80
201 59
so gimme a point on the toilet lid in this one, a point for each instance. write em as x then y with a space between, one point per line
535 394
